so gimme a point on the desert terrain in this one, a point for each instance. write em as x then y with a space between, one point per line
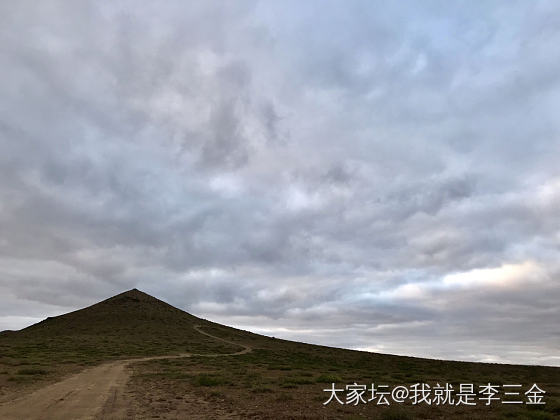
133 356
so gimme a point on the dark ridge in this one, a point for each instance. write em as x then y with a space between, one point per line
133 310
131 323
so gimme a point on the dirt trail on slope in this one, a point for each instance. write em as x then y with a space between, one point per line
246 349
91 394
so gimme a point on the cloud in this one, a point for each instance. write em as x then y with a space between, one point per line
370 177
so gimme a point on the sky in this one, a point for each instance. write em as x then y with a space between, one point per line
381 176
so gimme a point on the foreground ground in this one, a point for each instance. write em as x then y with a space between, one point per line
95 392
118 359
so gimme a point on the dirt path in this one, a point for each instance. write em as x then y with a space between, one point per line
91 394
246 349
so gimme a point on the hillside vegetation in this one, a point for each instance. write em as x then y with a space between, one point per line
276 379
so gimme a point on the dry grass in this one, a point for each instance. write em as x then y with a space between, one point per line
278 379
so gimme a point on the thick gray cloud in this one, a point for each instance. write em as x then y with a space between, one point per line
376 176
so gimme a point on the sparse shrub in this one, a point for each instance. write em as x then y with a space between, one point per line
207 380
327 379
510 414
539 415
216 394
299 381
395 414
32 371
262 390
19 379
308 374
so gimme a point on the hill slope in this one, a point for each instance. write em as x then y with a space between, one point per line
276 379
132 323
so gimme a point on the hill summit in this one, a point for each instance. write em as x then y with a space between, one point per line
128 311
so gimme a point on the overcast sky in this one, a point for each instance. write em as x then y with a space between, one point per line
372 175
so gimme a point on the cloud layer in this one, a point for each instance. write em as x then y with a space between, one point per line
375 176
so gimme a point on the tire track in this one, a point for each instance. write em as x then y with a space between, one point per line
91 394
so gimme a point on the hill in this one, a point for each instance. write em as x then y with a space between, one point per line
271 378
130 324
